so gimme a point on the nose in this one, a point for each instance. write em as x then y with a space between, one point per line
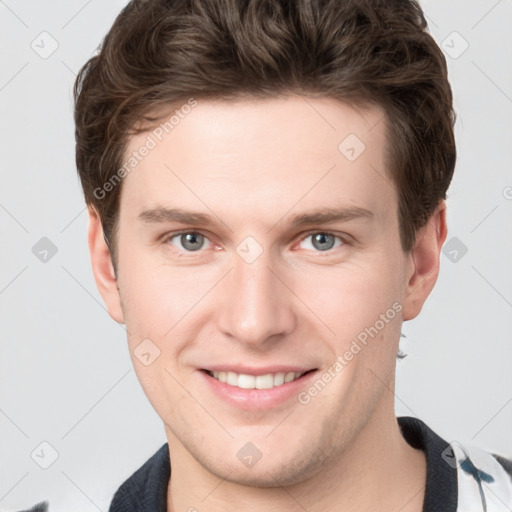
255 306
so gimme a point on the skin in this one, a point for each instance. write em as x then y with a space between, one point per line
253 164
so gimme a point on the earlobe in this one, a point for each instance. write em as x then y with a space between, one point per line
424 260
102 267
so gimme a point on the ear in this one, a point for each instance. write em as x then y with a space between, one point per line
424 262
102 267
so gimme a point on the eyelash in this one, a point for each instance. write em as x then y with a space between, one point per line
343 240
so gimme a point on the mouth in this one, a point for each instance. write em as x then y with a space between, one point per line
257 389
248 381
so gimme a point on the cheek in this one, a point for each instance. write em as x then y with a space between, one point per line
163 303
351 297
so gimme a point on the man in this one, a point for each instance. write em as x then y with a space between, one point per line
266 185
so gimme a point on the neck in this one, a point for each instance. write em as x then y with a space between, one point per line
379 471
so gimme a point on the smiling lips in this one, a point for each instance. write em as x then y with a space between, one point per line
245 381
268 380
257 388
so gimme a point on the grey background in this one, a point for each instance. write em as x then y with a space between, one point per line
66 376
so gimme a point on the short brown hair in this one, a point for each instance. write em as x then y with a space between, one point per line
158 53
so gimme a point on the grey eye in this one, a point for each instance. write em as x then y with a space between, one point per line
323 241
190 241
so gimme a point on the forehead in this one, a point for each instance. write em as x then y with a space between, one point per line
262 155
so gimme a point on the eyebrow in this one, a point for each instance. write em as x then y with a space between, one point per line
319 216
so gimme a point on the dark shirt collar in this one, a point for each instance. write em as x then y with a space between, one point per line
441 488
146 489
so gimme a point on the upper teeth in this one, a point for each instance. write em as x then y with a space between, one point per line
267 381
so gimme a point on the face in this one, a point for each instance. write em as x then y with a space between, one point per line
258 243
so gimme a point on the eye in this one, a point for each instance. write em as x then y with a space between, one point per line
188 240
322 241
